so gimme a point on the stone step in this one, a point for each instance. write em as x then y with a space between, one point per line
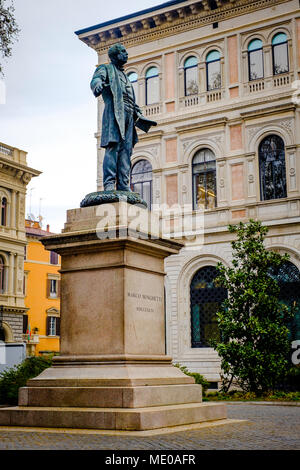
114 397
112 419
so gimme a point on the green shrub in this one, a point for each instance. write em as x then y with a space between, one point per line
199 379
239 395
15 377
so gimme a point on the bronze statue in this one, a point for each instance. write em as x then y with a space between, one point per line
120 118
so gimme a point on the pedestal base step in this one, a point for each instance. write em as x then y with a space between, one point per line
138 419
110 397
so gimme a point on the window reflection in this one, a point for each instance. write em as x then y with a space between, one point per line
141 180
191 76
272 168
152 86
255 59
280 54
204 180
213 70
133 77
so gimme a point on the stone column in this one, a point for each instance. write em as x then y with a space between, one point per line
11 274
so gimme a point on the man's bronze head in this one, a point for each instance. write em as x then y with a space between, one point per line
118 54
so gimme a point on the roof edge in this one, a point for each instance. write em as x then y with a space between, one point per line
131 15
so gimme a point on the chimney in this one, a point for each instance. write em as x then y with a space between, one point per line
48 228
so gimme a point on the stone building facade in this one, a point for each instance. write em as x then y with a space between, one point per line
14 177
220 78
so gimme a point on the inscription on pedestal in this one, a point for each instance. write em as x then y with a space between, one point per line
151 298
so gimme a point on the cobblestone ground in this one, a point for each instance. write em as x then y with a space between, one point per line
268 428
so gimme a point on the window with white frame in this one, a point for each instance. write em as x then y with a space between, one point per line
53 326
53 287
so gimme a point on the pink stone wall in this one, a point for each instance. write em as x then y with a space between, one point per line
171 190
236 139
237 182
239 214
171 150
169 76
233 60
234 92
170 107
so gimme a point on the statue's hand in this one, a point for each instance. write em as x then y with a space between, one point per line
98 90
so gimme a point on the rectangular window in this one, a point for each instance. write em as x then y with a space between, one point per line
205 190
213 75
191 81
256 65
53 257
53 326
25 324
152 90
280 59
53 288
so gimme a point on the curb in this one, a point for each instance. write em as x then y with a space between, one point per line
269 403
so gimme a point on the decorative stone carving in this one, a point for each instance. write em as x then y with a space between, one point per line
26 178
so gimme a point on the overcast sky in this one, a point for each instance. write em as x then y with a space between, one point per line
50 111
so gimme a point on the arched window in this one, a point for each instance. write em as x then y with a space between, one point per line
191 76
204 179
206 297
280 54
4 211
272 168
255 59
2 275
152 86
213 70
2 334
133 77
141 180
288 278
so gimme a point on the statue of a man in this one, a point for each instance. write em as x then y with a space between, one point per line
121 115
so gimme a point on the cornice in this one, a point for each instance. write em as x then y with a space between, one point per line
212 123
177 20
283 108
22 172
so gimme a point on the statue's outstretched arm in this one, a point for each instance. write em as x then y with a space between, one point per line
99 80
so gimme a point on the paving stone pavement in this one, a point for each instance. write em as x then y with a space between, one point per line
268 428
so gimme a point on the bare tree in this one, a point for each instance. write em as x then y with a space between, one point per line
8 30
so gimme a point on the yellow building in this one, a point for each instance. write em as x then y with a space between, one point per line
41 327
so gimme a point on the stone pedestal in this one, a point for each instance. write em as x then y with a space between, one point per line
113 372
